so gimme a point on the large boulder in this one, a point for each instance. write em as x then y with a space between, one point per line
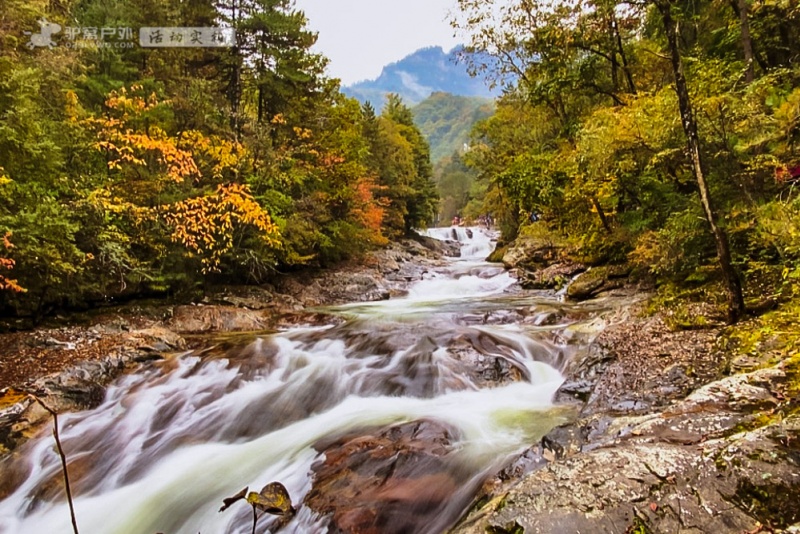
555 276
738 484
597 280
391 481
356 287
451 248
530 252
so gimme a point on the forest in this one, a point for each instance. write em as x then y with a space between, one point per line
130 172
663 133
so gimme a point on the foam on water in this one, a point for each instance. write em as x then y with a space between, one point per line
170 442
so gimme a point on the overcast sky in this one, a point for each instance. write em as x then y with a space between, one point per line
361 36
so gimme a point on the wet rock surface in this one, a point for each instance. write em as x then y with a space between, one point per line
391 481
664 443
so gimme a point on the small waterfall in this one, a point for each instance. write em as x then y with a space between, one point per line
170 442
476 242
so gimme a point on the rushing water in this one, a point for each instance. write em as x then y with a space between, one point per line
169 443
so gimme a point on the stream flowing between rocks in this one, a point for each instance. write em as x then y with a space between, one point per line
387 419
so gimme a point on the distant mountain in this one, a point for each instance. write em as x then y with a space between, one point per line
419 75
446 121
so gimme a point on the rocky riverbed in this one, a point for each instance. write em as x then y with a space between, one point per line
676 431
69 366
659 431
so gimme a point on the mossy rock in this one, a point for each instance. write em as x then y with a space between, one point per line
598 279
497 254
530 252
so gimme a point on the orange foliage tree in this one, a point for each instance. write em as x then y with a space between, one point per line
368 210
206 225
150 166
6 264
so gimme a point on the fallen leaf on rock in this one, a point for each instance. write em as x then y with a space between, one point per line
273 499
227 502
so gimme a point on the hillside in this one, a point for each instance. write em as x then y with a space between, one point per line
419 75
446 121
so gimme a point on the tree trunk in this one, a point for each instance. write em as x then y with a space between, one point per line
621 50
260 104
235 82
601 214
747 42
759 58
736 306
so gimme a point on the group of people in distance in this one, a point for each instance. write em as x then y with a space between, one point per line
484 220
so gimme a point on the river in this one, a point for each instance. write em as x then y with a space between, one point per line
465 348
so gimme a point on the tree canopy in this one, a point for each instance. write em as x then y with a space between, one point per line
129 171
659 132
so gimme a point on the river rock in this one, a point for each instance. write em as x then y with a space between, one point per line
664 444
450 248
555 276
364 287
498 253
530 252
727 485
202 319
251 297
395 480
597 280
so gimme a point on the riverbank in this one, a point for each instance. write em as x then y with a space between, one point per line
70 363
153 326
683 426
690 430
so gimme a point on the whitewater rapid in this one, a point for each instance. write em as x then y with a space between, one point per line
170 442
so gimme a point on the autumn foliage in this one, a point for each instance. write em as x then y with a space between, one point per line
206 225
157 171
6 264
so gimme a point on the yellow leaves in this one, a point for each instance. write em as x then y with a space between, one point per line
127 145
131 147
72 106
206 225
213 153
154 150
302 133
11 396
126 102
102 200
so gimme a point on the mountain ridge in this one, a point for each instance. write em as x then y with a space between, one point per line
418 75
